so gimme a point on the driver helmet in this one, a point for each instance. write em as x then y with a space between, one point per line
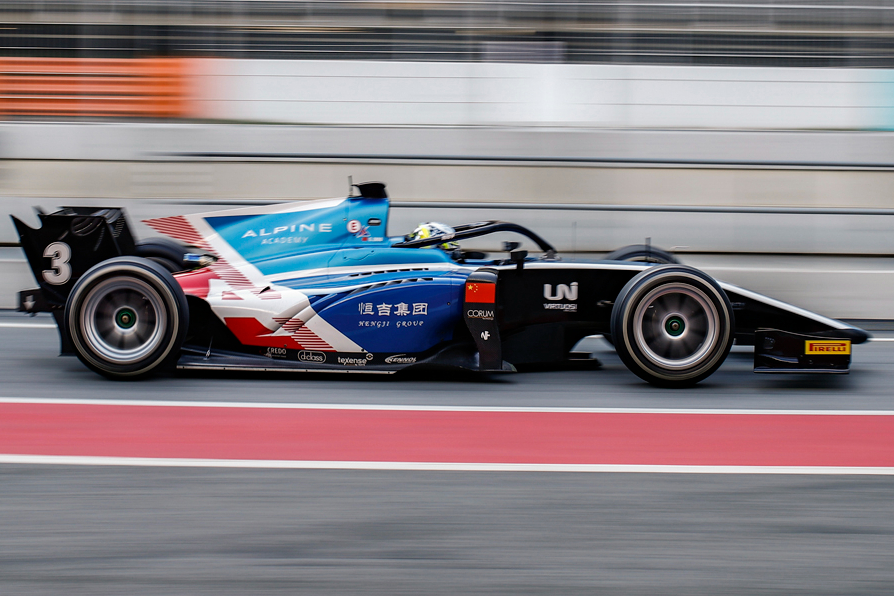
433 228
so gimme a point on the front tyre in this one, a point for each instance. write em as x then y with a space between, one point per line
126 317
672 325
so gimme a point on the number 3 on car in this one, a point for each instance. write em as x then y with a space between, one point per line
59 272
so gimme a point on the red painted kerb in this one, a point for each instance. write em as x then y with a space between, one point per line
447 436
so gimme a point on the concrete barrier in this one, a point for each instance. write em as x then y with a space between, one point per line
750 195
487 93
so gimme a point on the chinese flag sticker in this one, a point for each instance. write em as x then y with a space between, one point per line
478 292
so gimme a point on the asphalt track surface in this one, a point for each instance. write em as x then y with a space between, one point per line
163 529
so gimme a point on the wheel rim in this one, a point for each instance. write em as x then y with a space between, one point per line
677 326
123 320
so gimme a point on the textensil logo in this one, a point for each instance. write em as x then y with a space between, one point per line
827 347
306 356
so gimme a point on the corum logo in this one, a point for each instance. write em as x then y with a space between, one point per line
563 292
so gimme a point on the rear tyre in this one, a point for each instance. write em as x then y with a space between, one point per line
126 318
165 252
672 325
641 253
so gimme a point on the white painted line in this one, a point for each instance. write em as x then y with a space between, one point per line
420 408
881 339
77 460
28 325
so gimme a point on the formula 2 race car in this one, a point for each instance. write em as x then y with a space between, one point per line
321 286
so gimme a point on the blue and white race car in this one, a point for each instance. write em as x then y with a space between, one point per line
322 286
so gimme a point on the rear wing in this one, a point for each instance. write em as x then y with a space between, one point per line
67 244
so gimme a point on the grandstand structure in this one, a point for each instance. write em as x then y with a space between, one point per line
794 33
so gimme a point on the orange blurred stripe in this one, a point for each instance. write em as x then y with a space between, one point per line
91 87
152 87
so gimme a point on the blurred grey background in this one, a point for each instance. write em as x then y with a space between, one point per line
751 137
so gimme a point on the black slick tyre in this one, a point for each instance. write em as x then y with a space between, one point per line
164 251
126 318
672 325
641 253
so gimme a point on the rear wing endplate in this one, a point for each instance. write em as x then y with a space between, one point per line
67 244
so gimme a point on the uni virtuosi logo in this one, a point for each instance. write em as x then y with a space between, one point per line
563 292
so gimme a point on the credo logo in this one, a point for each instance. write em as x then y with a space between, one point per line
276 352
563 292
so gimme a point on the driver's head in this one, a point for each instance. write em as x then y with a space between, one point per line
433 229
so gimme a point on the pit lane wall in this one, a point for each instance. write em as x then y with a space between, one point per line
477 93
712 191
334 92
